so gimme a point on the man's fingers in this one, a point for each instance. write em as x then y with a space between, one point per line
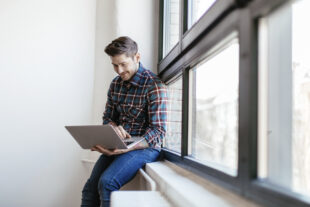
108 152
118 131
93 149
128 135
122 130
125 134
119 151
103 150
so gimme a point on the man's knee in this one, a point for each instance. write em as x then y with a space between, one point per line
108 183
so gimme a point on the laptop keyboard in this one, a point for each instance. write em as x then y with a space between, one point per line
128 143
130 140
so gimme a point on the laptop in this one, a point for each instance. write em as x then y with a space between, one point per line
88 136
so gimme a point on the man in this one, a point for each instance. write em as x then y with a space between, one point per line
136 106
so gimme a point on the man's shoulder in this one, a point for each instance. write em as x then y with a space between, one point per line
152 79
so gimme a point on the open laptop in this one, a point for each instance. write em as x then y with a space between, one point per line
90 135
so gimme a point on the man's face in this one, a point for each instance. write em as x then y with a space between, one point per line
125 66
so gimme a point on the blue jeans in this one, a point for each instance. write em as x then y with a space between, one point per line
110 173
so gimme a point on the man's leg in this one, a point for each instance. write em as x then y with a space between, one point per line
90 195
122 170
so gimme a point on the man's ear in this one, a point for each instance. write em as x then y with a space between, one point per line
137 57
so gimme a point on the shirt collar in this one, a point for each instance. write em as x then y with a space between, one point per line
135 80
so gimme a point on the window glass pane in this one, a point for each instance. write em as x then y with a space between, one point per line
284 147
301 97
171 25
213 130
174 116
196 8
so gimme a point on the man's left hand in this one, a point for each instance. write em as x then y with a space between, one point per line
108 152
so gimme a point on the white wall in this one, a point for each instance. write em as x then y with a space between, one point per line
104 73
54 72
46 81
137 19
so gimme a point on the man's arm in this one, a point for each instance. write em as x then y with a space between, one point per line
157 115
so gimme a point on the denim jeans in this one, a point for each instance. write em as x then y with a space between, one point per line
110 173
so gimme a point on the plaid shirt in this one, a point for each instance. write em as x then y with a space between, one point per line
139 105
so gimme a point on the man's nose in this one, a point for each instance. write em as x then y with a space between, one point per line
120 69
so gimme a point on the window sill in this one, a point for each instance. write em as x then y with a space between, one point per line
183 188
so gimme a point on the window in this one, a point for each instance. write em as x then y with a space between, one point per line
171 25
174 116
196 8
213 109
245 70
285 93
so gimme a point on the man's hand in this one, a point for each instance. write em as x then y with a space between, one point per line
108 152
120 131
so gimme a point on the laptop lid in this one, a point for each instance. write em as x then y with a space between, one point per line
90 135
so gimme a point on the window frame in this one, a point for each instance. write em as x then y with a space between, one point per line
188 37
226 38
223 18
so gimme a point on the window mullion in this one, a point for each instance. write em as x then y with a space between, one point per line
185 110
181 22
185 4
247 158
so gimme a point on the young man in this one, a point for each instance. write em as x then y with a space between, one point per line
136 106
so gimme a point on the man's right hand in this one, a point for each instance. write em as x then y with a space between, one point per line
120 131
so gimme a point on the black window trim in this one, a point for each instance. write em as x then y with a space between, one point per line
188 37
222 18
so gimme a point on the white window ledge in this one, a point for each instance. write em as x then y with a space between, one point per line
183 188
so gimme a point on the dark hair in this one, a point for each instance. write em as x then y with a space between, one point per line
122 45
